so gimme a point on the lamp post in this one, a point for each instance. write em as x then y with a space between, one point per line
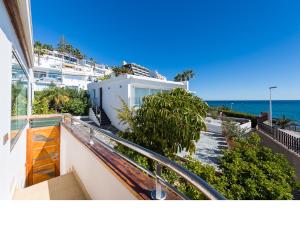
270 114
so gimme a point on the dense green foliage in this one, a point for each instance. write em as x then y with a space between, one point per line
38 44
251 171
60 100
65 47
62 47
167 122
246 171
184 76
253 118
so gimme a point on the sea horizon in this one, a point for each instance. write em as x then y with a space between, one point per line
288 108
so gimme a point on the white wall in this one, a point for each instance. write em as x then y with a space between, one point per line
12 162
123 86
246 126
75 80
97 179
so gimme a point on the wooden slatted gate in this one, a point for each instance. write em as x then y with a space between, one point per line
43 154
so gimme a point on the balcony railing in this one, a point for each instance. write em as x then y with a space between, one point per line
289 141
109 141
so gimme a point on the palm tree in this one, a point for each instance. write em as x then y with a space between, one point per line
283 122
39 50
57 97
184 76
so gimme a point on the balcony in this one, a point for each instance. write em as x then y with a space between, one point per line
70 159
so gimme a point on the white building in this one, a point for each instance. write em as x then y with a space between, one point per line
64 70
106 94
139 70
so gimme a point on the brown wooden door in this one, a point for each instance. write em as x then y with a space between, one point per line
43 154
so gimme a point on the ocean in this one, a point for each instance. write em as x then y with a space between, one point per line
289 108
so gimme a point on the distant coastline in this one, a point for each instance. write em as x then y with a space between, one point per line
289 108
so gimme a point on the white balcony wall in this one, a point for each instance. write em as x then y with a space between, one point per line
74 81
96 177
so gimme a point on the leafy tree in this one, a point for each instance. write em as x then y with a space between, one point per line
48 47
65 47
76 106
118 70
78 54
283 122
61 100
168 122
251 171
184 76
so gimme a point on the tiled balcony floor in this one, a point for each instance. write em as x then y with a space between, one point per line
64 187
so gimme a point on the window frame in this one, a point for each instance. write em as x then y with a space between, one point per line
20 131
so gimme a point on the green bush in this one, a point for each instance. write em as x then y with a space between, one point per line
214 114
248 171
251 171
60 100
253 118
232 130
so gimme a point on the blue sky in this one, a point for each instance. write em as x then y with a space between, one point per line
236 48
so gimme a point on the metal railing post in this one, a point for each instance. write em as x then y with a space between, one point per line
91 136
158 193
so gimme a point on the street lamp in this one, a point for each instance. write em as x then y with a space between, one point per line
270 114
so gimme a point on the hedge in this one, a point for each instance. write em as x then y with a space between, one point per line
253 118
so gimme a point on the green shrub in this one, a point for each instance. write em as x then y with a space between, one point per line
251 171
253 118
214 114
232 130
60 100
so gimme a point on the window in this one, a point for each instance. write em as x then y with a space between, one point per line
154 91
55 75
140 93
19 99
39 74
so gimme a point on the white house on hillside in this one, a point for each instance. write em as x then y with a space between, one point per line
106 94
65 70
